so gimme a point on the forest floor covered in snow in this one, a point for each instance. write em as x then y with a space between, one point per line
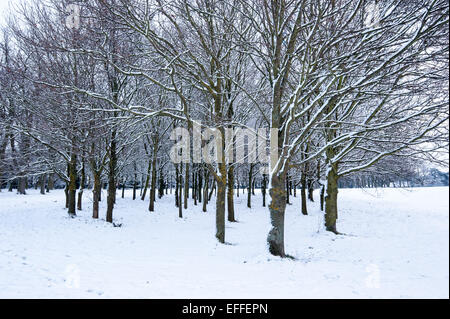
396 245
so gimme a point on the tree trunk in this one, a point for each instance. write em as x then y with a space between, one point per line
151 206
42 184
311 190
177 181
82 185
194 187
147 180
264 189
331 199
21 188
111 199
230 194
287 189
213 186
66 193
179 192
186 185
72 184
161 184
51 182
96 194
199 185
135 182
322 197
303 194
277 208
249 189
205 191
221 184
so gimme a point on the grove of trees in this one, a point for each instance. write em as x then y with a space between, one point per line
92 91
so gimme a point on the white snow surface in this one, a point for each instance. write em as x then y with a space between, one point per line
396 245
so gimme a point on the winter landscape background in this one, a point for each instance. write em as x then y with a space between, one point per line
224 149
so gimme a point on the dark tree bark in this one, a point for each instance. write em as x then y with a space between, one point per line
72 185
111 198
186 185
82 186
147 180
303 193
161 184
194 187
264 190
205 190
230 194
96 193
277 208
220 203
331 214
151 206
51 182
177 181
311 190
41 182
21 188
135 181
179 192
200 185
322 197
213 186
287 189
249 190
66 194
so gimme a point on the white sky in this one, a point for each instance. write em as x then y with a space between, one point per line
5 8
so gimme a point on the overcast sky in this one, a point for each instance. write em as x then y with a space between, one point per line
4 8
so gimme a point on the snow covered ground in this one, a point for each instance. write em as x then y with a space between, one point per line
396 246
